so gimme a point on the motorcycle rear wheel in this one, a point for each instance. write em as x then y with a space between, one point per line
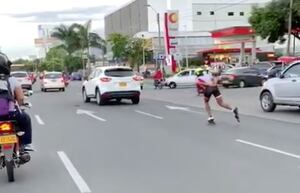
10 170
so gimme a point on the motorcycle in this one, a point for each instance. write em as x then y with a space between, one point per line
158 84
12 154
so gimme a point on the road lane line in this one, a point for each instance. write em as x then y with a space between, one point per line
184 109
149 114
79 181
89 113
39 120
268 148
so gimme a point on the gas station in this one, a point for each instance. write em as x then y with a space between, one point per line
234 45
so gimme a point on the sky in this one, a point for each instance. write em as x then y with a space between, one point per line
19 19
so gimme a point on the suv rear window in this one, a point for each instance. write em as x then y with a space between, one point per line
118 72
52 76
19 75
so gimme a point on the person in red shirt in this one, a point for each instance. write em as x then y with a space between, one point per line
158 78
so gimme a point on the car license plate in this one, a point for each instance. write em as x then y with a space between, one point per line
123 84
8 139
225 82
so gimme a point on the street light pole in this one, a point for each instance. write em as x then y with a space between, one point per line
159 40
186 48
290 28
159 35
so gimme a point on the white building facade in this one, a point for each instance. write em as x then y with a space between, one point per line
196 19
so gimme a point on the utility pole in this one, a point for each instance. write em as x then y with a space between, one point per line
159 36
186 48
290 28
159 41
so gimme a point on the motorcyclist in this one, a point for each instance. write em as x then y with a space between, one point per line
22 118
158 77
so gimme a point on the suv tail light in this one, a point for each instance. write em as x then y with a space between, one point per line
136 78
105 79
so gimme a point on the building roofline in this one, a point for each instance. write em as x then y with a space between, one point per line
119 8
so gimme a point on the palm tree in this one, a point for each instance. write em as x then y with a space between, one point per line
76 37
68 38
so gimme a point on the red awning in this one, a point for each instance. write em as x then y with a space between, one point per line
233 31
224 51
288 59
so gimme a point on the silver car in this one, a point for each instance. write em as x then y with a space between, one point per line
282 90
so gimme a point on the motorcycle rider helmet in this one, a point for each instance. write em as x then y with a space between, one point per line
5 64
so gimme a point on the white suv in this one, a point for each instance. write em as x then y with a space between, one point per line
114 82
282 90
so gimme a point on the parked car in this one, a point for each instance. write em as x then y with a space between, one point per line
53 80
23 78
282 90
183 78
242 77
76 76
112 82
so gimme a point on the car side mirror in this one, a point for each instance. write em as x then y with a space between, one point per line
281 76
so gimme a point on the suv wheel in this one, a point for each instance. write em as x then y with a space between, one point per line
135 100
266 102
172 85
99 99
86 99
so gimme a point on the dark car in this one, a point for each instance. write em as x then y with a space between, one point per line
242 77
76 76
263 67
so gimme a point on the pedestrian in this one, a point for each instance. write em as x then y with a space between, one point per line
210 83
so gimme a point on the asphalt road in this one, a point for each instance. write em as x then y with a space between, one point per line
156 146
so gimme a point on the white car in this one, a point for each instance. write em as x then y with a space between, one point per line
282 90
113 82
23 78
183 78
52 80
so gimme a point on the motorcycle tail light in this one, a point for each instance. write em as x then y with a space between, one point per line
5 127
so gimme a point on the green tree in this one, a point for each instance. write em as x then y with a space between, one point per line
271 22
68 37
55 60
76 40
119 45
135 52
